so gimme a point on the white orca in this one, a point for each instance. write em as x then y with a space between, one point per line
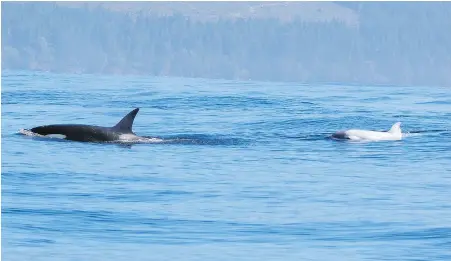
394 133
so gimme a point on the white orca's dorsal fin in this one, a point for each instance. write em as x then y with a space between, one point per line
396 128
126 124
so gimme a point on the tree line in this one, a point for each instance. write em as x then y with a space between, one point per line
393 44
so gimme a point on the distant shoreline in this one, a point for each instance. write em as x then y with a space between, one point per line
377 43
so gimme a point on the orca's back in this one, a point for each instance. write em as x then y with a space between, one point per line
78 132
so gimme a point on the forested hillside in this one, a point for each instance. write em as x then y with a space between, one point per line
375 43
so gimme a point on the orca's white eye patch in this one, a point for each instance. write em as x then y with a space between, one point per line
56 136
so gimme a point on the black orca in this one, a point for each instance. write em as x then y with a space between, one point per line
91 133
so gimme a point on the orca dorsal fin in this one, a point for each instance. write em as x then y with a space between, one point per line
126 124
396 128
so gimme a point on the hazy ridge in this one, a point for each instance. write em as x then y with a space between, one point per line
348 42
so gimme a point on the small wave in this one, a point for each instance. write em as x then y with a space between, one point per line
408 134
429 131
307 137
424 132
202 139
439 102
140 140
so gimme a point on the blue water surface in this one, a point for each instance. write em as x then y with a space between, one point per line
247 172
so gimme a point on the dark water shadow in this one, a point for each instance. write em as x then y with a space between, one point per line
201 139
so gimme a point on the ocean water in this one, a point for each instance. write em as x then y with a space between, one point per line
245 171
